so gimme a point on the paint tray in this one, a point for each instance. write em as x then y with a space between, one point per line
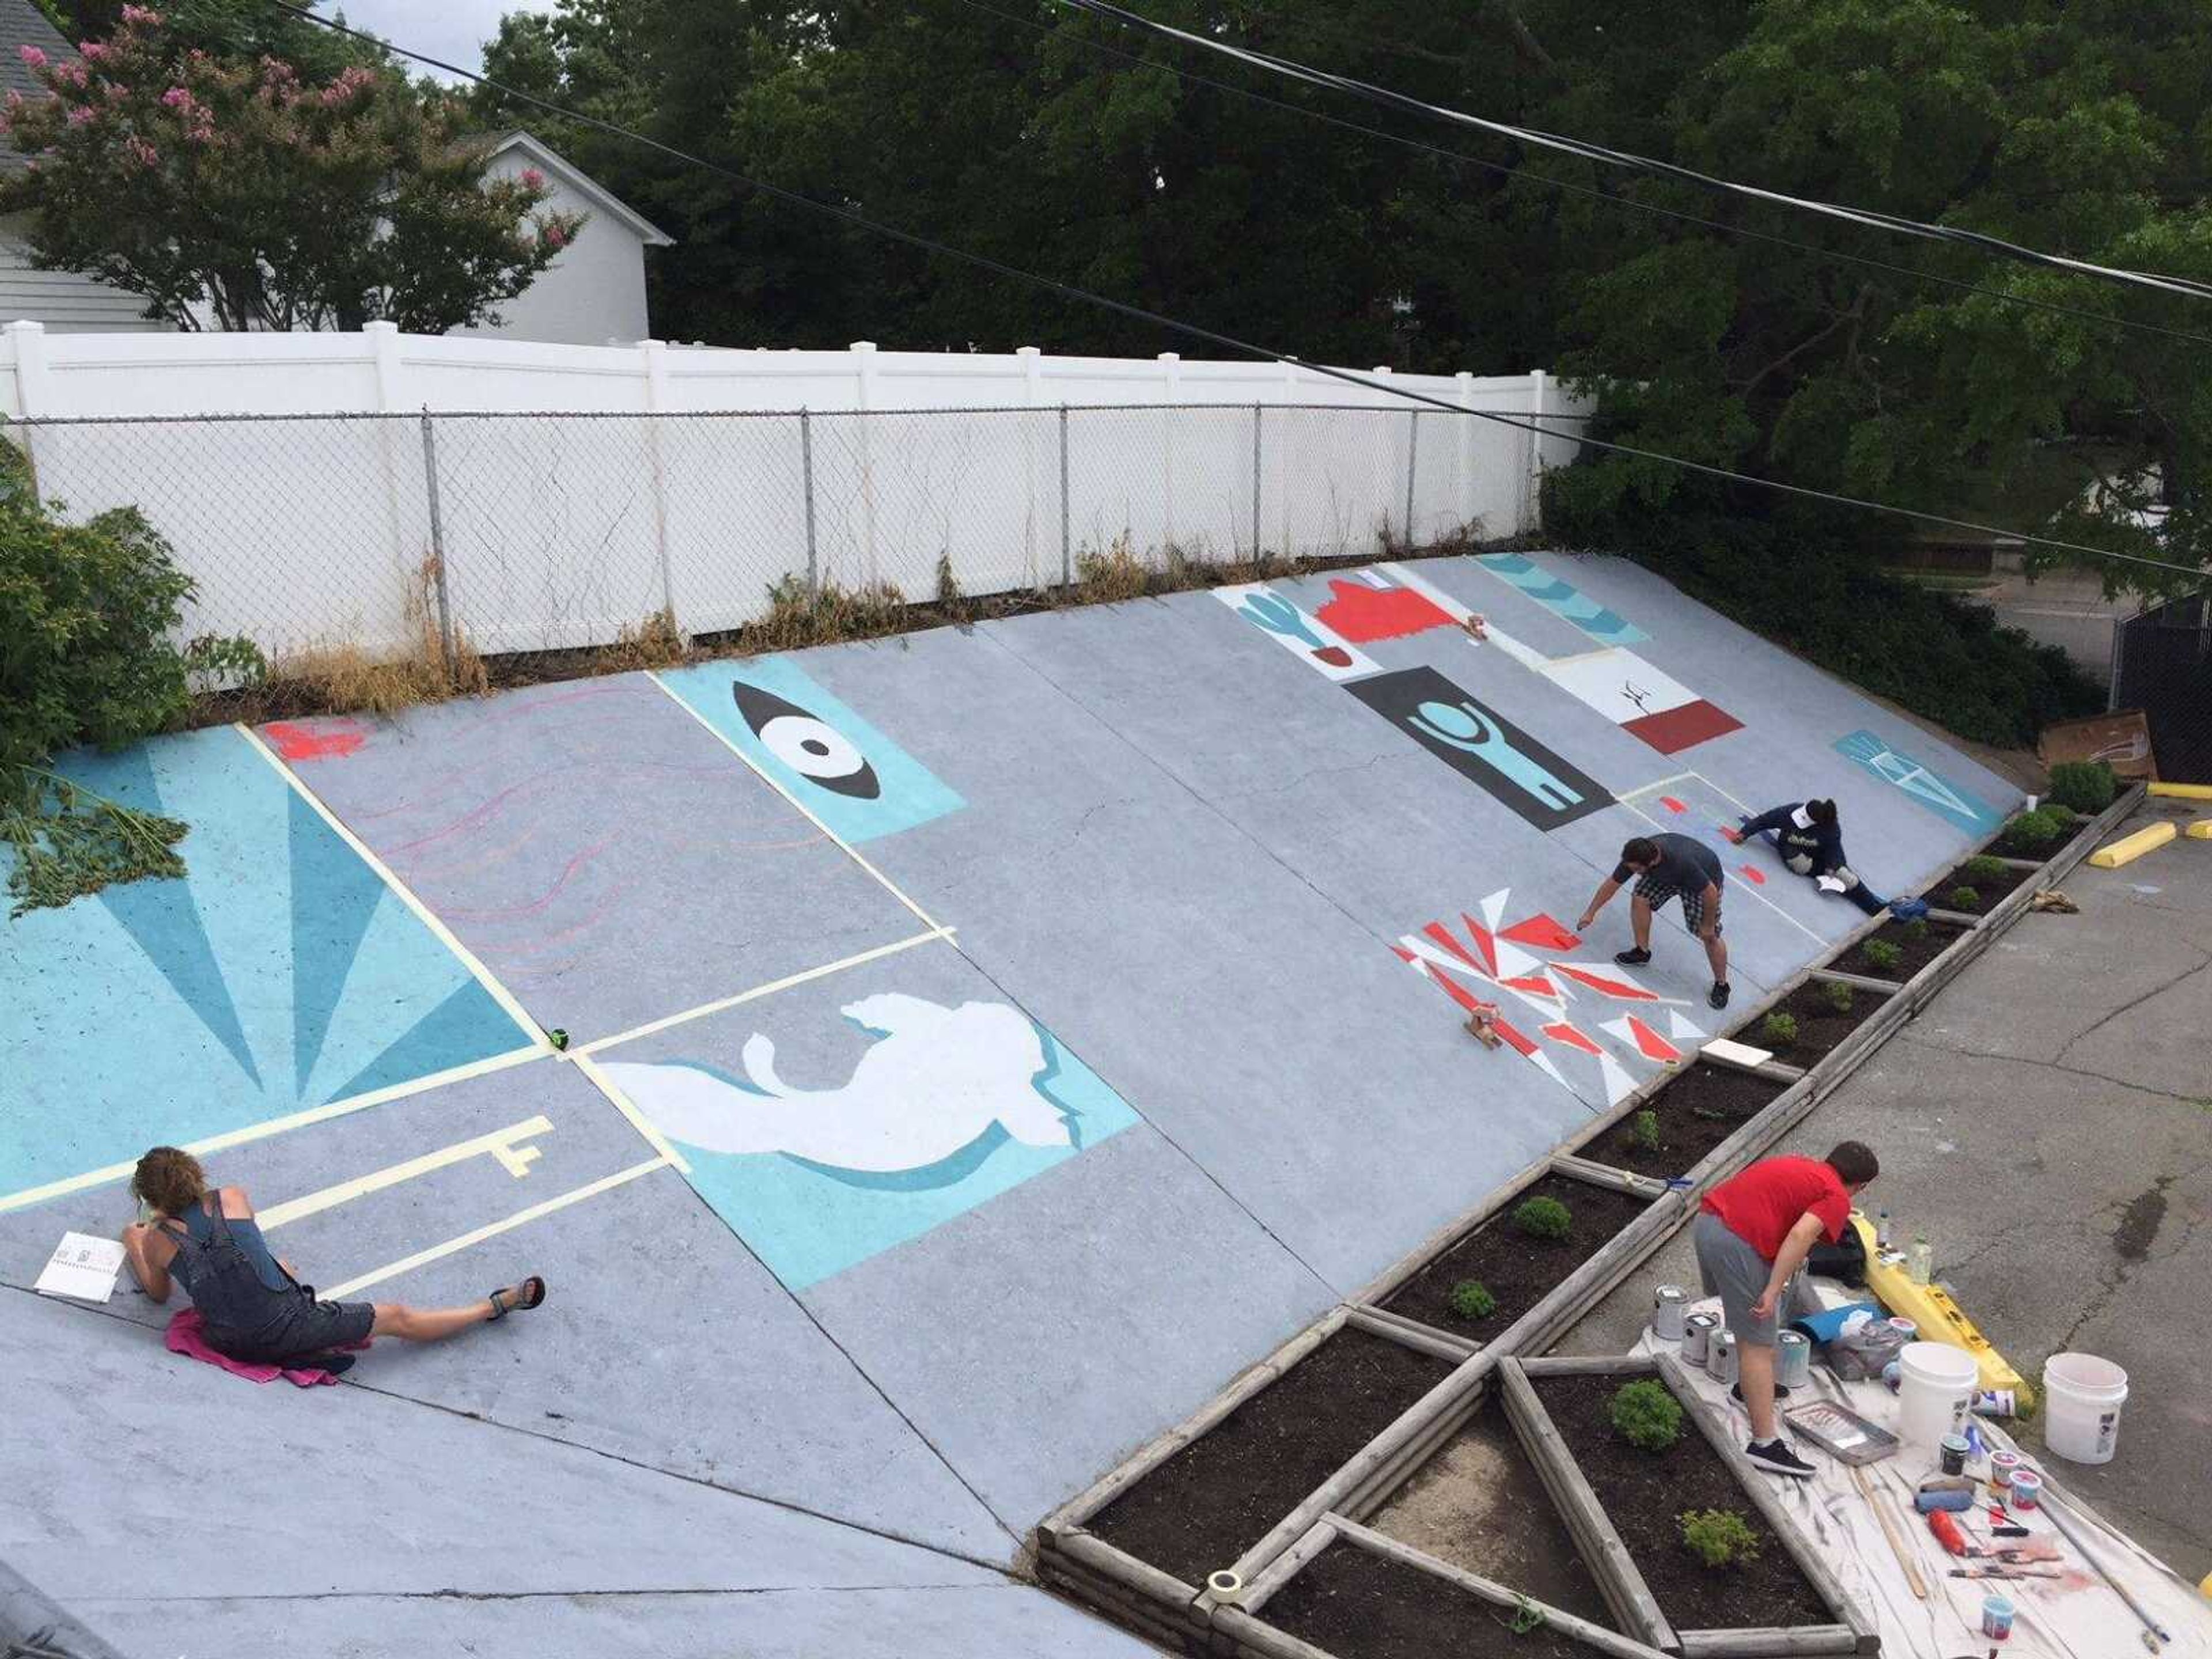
1841 1432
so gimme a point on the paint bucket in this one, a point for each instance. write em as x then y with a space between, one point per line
2026 1490
1937 1382
1996 1618
1697 1332
1720 1356
1953 1453
1793 1359
2001 1465
2083 1396
1669 1303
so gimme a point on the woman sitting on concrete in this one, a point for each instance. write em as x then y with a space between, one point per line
251 1308
1811 843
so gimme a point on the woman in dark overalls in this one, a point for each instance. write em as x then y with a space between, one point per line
253 1309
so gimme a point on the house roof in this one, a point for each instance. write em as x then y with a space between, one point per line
542 155
22 24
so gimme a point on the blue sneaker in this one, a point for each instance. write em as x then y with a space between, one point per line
1908 909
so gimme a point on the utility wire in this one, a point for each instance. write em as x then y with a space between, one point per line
1506 170
1590 152
1193 331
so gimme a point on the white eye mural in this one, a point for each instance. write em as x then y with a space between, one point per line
807 745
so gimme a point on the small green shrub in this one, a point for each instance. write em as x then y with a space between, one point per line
1838 994
1544 1218
1983 867
1778 1030
1471 1299
2034 833
1880 953
1646 1415
1719 1538
1643 1130
1916 928
1965 899
2083 786
1527 1618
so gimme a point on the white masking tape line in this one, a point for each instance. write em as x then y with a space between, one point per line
638 1121
798 805
406 895
499 1143
759 991
354 1287
277 1126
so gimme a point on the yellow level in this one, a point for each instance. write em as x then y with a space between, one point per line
1939 1318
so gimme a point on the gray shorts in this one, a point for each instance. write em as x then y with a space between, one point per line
1658 895
1736 1273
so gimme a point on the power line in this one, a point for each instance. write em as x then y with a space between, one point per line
1193 331
1506 170
1590 152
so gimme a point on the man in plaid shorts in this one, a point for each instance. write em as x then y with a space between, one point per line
1668 866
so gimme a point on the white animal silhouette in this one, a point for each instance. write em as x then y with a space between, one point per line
937 1079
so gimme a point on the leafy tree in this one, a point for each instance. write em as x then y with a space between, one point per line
267 196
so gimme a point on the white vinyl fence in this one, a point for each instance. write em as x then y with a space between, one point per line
563 493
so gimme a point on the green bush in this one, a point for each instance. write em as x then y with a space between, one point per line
1646 1415
1778 1030
1915 929
1643 1130
1965 899
1881 954
1471 1299
1719 1538
2034 834
2083 786
1983 867
1544 1218
1838 994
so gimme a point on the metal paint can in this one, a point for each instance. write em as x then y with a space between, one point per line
2027 1489
2001 1465
1953 1452
1669 1303
1793 1359
1996 1618
1697 1332
1720 1356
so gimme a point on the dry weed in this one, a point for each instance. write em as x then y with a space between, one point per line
346 679
796 617
656 642
1116 573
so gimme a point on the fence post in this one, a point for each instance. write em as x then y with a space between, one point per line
806 473
1413 464
656 402
29 340
1470 487
1067 511
1532 486
1032 398
1171 370
1255 482
864 367
437 540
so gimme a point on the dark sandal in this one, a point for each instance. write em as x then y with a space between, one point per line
533 1293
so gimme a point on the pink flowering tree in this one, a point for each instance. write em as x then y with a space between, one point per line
237 193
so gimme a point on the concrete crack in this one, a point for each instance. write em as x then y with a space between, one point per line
453 1595
1919 1039
2133 1003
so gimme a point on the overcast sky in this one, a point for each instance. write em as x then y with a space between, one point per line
454 30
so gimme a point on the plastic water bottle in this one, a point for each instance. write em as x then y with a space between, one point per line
1881 1231
1920 1263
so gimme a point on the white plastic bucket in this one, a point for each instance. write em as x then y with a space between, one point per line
1937 1383
2081 1397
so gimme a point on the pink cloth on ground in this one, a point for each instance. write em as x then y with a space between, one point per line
187 1335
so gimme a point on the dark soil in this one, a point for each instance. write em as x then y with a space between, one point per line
1642 1495
1920 949
1820 1027
1219 1496
1520 1271
1988 890
1358 1605
1479 1504
1697 1111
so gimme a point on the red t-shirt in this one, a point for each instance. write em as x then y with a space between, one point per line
1760 1206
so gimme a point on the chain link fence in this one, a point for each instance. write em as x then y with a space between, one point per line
530 532
2162 665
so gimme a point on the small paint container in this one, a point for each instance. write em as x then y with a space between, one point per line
1793 1359
1996 1618
2027 1488
1721 1356
1953 1453
1905 1329
1893 1374
1996 1402
1669 1307
1697 1332
2001 1465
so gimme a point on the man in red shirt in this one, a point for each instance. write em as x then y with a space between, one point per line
1753 1233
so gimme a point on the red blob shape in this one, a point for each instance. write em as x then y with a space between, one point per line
1334 655
1668 801
297 743
1755 876
1362 613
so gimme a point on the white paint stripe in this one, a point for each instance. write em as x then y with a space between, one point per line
445 934
499 1143
1679 777
1743 883
760 991
638 1121
277 1126
761 773
354 1287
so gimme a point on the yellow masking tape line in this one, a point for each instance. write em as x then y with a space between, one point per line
798 805
354 1287
277 1125
405 894
760 991
638 1121
498 1143
2182 791
2128 848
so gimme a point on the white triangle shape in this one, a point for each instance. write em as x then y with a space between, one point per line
1493 908
1678 1028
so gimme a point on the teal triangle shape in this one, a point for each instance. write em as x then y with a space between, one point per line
334 895
469 1024
164 919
